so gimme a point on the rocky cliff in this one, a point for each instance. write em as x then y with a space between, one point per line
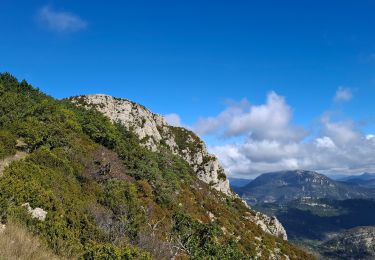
155 133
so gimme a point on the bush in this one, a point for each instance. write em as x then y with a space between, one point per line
7 144
109 251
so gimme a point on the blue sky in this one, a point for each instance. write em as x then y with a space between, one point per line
201 58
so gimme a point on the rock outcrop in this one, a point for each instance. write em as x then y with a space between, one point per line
154 132
271 225
37 213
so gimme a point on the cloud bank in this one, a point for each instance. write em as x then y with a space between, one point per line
60 21
273 142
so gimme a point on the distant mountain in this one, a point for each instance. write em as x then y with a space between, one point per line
238 182
356 243
365 180
365 177
285 186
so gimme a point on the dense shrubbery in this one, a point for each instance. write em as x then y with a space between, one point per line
156 203
7 144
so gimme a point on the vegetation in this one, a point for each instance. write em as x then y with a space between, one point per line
17 243
106 196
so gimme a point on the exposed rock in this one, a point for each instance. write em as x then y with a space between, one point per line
153 131
37 213
271 225
211 216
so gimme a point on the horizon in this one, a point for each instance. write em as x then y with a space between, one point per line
266 88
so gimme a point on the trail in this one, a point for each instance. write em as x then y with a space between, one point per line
8 160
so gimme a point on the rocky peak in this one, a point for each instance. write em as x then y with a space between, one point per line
154 132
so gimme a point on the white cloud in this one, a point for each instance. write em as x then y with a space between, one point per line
324 142
272 143
173 119
343 94
267 121
60 21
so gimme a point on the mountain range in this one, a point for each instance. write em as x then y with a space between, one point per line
364 180
285 186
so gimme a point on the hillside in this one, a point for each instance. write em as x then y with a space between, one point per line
98 180
286 186
357 243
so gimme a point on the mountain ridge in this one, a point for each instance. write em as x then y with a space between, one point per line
285 186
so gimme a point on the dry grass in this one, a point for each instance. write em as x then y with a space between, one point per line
16 243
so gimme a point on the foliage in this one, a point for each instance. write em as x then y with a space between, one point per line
7 144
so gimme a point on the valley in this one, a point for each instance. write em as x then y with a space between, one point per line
318 213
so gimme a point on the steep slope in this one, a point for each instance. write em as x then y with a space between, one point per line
155 133
357 243
106 193
284 186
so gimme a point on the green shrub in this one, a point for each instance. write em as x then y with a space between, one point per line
7 144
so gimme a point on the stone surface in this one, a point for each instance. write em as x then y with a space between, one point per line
37 213
271 225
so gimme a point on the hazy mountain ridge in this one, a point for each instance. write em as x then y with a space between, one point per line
285 186
365 180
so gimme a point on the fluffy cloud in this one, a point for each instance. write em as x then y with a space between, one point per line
267 121
60 21
173 119
272 143
343 94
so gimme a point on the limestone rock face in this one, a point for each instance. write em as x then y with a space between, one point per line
271 225
153 131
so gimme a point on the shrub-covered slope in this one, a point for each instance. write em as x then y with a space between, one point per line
95 192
